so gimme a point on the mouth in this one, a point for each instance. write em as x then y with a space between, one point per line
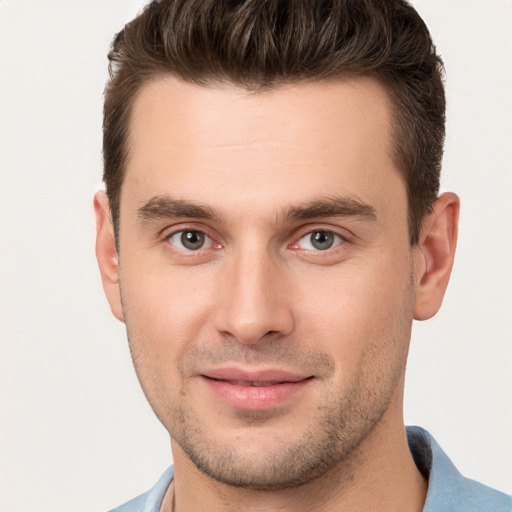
251 383
254 390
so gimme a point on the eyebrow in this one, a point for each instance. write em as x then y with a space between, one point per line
166 207
331 207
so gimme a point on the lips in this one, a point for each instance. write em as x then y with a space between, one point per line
254 390
265 376
251 383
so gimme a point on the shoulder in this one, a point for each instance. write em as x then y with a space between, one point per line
448 489
151 500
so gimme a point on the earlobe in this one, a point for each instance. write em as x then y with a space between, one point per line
436 252
106 253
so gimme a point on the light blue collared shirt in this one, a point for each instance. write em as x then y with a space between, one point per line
448 490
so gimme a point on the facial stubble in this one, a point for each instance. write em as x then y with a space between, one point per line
330 437
327 439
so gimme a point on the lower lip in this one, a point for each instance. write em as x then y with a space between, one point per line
254 398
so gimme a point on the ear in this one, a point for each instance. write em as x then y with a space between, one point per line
436 251
106 253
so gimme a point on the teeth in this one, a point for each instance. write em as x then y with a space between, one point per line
240 383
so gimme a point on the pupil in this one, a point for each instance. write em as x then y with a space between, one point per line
192 239
322 240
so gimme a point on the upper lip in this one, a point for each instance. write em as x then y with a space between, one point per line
265 376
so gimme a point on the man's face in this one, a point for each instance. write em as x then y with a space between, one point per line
266 275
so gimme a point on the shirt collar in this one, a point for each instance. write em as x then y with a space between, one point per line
447 488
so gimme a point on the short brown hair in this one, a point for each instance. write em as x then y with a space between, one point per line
261 44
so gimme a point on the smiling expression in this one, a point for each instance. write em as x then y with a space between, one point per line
266 275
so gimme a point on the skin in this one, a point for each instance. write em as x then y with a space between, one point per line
257 174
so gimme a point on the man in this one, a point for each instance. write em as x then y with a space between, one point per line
271 226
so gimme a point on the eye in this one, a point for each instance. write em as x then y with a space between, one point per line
190 240
319 240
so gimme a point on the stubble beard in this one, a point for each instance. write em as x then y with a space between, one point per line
329 440
326 441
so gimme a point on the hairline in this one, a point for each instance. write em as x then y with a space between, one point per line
225 84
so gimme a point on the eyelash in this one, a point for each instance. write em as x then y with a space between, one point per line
337 241
181 232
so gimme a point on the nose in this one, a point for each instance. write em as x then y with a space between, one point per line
254 304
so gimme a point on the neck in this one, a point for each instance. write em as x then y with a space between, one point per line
379 475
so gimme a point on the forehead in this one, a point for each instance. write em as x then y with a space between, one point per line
296 140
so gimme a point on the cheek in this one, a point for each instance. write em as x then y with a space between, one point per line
164 317
360 309
165 313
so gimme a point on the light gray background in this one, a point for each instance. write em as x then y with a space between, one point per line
75 430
